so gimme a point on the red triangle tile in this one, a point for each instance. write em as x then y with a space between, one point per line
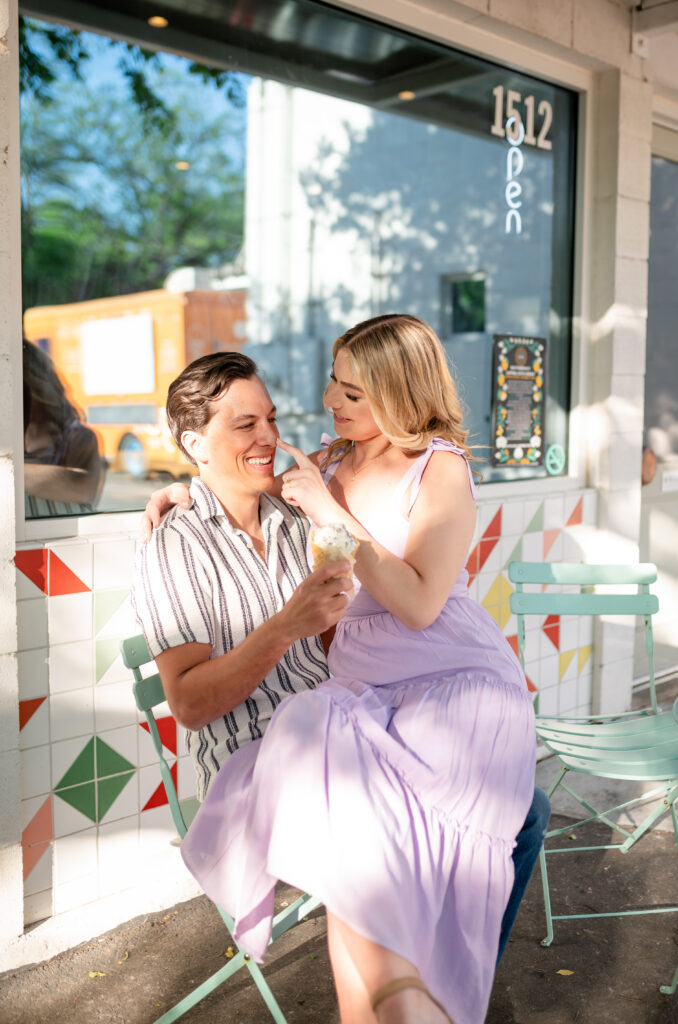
159 797
63 580
31 856
487 546
551 627
550 537
167 727
494 529
39 829
530 685
513 641
27 709
33 564
472 564
577 514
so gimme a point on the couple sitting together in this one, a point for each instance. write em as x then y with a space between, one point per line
392 778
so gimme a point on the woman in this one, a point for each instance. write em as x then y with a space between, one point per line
63 469
394 791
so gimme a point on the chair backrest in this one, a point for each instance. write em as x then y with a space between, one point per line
148 693
586 602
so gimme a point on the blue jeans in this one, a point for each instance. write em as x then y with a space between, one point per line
528 844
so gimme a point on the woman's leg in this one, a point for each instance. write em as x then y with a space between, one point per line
361 967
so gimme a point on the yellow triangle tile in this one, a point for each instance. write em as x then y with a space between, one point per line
565 659
583 655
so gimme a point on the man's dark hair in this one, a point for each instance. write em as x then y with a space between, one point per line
190 396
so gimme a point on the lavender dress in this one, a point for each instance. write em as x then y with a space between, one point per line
393 792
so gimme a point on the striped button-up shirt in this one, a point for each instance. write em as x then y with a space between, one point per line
199 580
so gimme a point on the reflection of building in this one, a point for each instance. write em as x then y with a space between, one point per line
351 210
118 356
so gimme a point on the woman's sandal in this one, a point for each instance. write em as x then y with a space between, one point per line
397 985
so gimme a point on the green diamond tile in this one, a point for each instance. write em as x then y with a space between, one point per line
109 761
106 604
83 798
106 653
108 790
537 522
516 555
82 769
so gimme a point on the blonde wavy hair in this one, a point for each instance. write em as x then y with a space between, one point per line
400 364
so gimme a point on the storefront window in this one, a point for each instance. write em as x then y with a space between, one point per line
302 170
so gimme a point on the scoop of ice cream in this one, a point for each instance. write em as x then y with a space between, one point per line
332 543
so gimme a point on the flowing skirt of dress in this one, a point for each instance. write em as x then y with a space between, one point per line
393 795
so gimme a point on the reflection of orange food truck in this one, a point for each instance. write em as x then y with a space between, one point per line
118 356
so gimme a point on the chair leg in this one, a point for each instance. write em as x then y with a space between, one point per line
265 991
668 990
650 820
547 899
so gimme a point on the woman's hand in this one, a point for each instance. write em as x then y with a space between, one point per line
303 486
159 504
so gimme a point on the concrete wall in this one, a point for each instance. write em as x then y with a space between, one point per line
585 44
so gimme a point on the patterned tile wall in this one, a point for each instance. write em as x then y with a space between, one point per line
92 803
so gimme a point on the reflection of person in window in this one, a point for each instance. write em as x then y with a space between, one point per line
63 469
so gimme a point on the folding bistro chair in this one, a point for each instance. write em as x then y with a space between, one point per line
634 746
148 693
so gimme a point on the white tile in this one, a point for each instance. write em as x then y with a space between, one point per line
122 624
187 778
118 855
29 808
72 714
512 518
113 563
127 803
156 832
124 740
554 512
569 632
486 513
75 894
548 672
533 547
38 907
584 692
77 555
33 675
68 820
530 509
40 878
567 696
32 624
71 666
146 750
35 733
548 699
149 780
114 708
589 508
182 746
35 772
74 856
70 618
64 753
25 588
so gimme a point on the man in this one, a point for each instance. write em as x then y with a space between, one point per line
222 589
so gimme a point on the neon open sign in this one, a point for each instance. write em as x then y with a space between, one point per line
519 130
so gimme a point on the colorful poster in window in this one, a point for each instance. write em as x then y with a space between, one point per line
518 400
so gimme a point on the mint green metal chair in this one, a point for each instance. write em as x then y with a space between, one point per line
634 746
148 693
